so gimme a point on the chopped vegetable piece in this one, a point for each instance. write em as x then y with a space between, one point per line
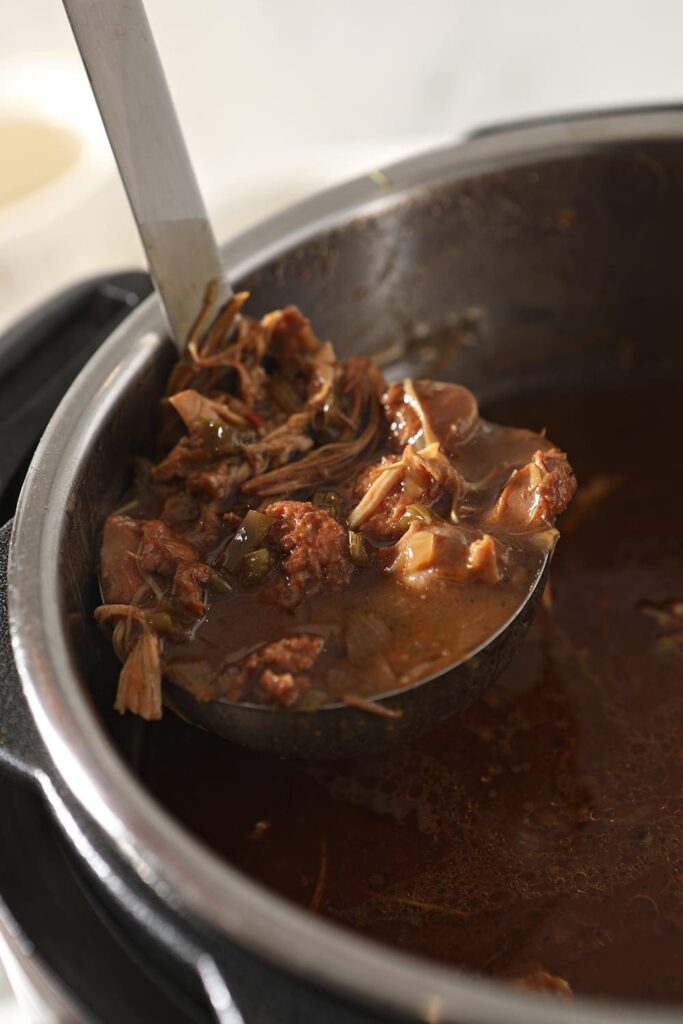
222 439
161 622
331 501
358 548
218 583
416 513
251 534
256 565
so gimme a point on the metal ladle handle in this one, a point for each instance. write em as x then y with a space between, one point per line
125 72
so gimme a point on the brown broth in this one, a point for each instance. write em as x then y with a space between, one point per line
543 827
426 632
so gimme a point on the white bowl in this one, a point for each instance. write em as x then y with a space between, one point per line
75 220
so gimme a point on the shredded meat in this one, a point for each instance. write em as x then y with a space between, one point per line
281 445
139 648
195 410
185 458
139 688
300 354
188 585
315 550
343 400
292 654
164 552
208 528
358 389
213 362
120 576
403 481
220 480
274 673
179 509
424 478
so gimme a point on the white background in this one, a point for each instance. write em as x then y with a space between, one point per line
286 73
282 97
279 97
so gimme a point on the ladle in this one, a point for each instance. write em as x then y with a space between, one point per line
117 47
125 72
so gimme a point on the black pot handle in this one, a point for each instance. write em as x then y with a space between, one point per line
39 358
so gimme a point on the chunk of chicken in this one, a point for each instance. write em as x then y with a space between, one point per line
534 495
315 549
300 354
120 576
424 478
196 410
276 672
139 648
430 554
425 412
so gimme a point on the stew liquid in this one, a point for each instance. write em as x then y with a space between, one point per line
543 829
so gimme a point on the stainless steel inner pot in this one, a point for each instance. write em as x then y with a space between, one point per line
546 252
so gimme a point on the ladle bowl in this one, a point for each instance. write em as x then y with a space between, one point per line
341 730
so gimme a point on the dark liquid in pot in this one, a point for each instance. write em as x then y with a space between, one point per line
544 827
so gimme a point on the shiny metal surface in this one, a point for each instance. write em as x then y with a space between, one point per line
478 221
36 993
123 66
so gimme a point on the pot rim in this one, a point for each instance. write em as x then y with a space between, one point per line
160 851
